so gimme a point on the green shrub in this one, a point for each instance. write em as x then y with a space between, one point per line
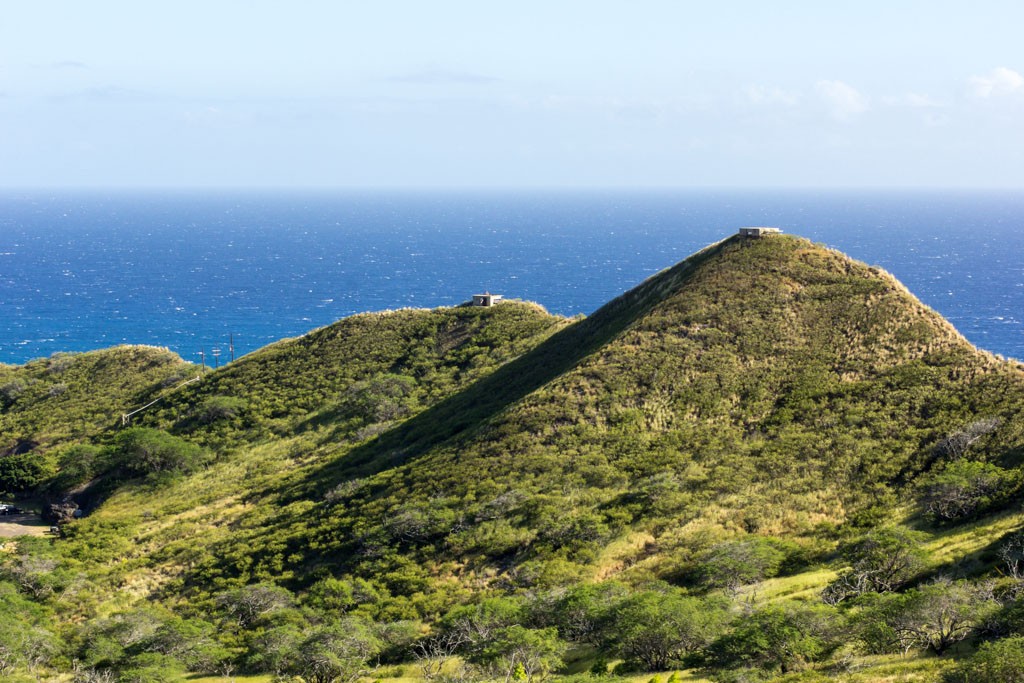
142 451
1001 661
217 408
76 465
24 472
933 617
11 391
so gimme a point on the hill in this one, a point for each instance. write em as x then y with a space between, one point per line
726 441
68 398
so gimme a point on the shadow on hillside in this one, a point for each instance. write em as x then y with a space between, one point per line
508 384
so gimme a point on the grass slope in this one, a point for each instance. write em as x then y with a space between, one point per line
71 396
764 386
767 389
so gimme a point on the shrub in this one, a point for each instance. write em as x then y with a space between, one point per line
76 465
519 653
1001 661
1011 552
24 472
219 408
140 451
251 605
583 612
11 392
336 652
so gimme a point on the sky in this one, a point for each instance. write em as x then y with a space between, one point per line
525 94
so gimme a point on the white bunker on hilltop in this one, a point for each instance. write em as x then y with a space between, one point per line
486 299
759 232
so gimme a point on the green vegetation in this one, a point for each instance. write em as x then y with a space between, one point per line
768 461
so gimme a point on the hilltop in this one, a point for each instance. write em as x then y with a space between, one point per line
719 440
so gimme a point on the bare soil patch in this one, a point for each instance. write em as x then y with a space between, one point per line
22 525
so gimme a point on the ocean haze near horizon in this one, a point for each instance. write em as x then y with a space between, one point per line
87 270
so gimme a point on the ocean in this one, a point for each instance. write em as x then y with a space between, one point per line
191 270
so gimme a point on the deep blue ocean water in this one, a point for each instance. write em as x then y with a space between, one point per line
81 271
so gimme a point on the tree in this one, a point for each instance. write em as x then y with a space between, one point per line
957 444
331 595
476 625
933 617
436 653
219 408
272 649
22 645
382 399
76 465
780 639
880 561
583 611
519 653
655 628
965 488
11 391
336 653
192 642
1011 552
249 605
25 471
736 563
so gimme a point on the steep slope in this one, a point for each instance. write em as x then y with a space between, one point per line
769 386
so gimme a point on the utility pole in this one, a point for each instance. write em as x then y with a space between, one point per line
216 356
231 345
202 356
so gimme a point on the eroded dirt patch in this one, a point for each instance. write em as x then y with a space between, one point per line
22 525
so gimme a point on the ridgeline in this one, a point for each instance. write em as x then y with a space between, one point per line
767 461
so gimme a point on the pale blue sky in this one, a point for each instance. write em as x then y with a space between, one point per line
517 94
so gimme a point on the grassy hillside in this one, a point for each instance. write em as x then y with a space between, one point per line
767 386
707 473
360 374
72 395
68 398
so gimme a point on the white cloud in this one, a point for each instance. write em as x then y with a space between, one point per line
764 95
844 101
999 81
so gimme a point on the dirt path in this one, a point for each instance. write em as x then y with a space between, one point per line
22 525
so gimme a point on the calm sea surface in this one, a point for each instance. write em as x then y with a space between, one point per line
82 271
